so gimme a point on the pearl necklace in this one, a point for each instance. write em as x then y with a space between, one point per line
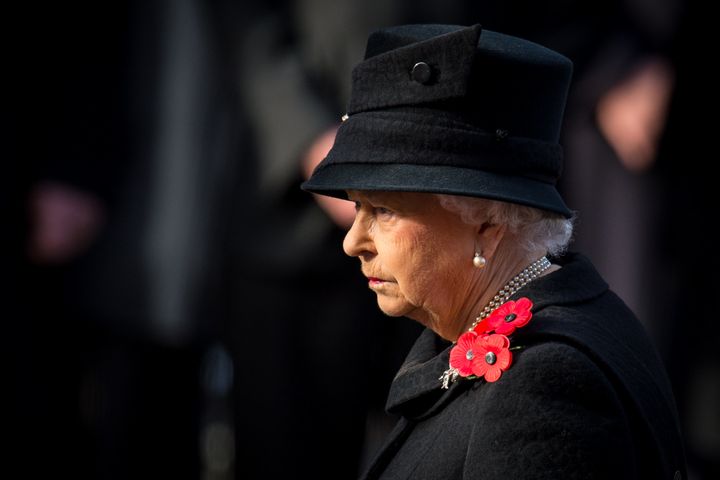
530 273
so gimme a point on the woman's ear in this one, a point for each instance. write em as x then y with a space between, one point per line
489 236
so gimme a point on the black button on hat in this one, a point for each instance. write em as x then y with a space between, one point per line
421 73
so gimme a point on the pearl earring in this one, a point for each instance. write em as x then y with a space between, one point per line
479 261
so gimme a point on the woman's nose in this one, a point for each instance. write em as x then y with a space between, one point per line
357 241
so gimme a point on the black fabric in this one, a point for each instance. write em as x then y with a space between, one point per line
403 35
492 103
385 80
506 82
586 397
427 139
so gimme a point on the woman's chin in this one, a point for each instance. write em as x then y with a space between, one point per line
390 312
392 307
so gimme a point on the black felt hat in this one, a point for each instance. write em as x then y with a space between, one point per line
456 110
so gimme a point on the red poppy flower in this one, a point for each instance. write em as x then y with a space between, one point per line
482 354
463 354
482 327
510 315
491 356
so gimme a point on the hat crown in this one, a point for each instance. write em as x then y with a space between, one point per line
387 39
492 80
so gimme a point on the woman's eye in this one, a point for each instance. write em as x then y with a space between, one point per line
383 211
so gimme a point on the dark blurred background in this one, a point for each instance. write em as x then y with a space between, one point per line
176 306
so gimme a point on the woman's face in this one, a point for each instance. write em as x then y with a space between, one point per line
417 257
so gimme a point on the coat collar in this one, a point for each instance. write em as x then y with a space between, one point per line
577 281
415 392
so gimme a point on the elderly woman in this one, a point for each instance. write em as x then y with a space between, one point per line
530 367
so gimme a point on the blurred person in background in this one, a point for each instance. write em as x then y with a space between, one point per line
107 352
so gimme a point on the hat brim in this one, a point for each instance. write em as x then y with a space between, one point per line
335 179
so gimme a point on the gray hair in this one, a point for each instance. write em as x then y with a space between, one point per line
536 229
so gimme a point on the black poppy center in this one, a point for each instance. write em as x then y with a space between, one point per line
510 317
490 358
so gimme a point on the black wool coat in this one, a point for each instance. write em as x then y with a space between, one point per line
586 397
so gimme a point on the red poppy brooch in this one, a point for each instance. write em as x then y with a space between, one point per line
484 351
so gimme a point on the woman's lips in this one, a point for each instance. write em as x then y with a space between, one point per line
375 282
